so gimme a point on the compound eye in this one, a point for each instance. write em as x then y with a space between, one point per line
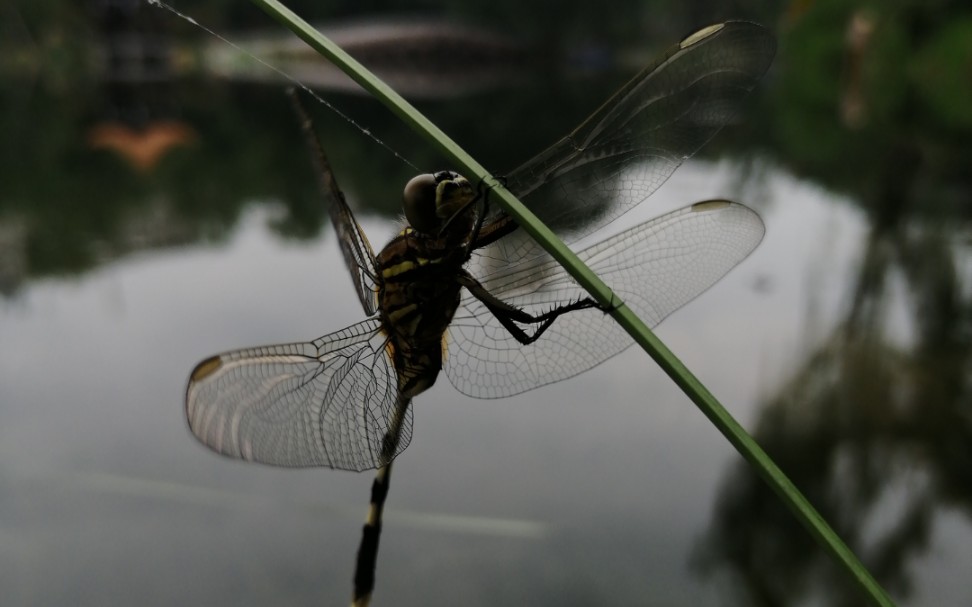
419 203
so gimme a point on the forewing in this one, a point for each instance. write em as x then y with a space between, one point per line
630 146
358 254
655 267
322 403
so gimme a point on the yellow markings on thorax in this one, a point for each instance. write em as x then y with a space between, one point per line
396 315
406 266
410 315
398 268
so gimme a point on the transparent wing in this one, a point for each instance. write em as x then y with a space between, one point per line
357 251
326 403
631 145
655 267
358 254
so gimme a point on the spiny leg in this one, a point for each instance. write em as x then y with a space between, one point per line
509 315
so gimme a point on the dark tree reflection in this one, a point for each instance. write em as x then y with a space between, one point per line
876 434
875 426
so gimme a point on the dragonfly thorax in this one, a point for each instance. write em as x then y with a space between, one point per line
432 200
418 294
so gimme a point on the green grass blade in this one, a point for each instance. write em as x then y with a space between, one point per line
689 384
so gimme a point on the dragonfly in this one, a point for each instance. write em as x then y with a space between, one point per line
464 292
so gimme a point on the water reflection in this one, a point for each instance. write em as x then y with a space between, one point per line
874 427
137 143
420 58
875 424
872 421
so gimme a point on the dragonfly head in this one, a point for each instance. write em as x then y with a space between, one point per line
432 200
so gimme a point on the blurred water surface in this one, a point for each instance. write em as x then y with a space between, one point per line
152 213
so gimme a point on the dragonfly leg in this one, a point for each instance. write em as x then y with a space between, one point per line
509 315
485 234
483 203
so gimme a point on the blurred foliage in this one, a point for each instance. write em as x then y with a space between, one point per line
862 85
938 70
